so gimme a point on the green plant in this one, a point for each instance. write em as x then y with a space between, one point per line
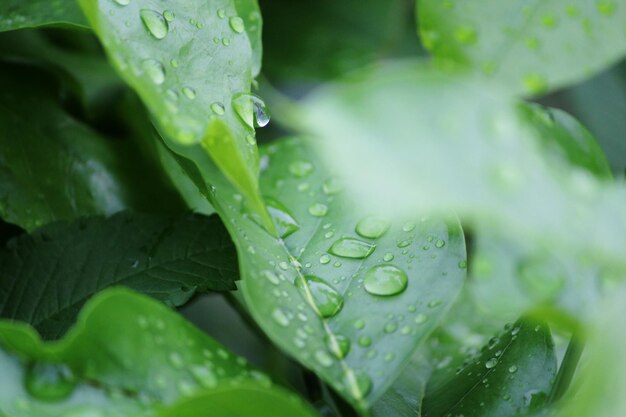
431 239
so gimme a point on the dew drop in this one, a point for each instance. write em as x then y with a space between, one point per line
491 363
218 108
363 384
271 277
221 13
300 168
348 247
236 24
123 2
389 357
318 210
251 109
549 21
338 344
359 324
280 316
440 243
534 83
189 92
372 227
332 186
385 280
204 376
322 297
391 327
388 257
284 221
324 259
155 70
408 227
155 23
512 369
404 243
606 7
49 382
365 341
466 35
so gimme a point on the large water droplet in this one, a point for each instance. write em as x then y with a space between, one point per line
385 280
236 24
322 296
251 109
372 227
49 382
155 70
349 247
338 344
155 23
285 223
318 209
491 363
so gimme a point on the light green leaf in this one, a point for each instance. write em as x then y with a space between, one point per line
192 65
317 291
101 367
512 375
528 46
60 266
411 138
253 22
19 14
53 167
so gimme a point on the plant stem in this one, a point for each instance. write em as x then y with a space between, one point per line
568 367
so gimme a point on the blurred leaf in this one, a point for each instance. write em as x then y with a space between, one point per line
52 167
101 366
411 138
512 375
192 66
528 46
313 40
60 266
19 14
404 397
314 292
253 22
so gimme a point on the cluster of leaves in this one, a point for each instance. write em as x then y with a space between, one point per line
131 182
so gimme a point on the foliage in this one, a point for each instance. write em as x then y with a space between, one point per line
364 251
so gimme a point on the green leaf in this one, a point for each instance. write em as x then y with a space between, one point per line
309 41
512 375
308 290
251 15
408 137
60 266
19 14
53 167
529 46
192 65
404 397
101 366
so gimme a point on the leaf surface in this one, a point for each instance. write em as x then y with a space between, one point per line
19 14
101 366
47 276
529 46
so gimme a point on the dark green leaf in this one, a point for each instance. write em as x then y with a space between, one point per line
18 14
512 375
46 277
310 296
53 167
528 46
127 356
192 65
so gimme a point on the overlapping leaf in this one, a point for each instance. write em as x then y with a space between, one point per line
529 46
18 14
47 276
101 366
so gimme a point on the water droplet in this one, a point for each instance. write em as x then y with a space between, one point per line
549 21
365 341
218 108
176 360
49 382
221 13
372 227
466 35
338 344
318 210
408 227
123 2
280 316
532 43
363 384
301 168
155 70
440 243
332 186
251 109
572 11
512 369
236 24
534 83
434 303
271 277
204 376
491 363
388 257
391 327
462 264
322 296
285 223
155 23
324 259
420 318
251 140
385 280
348 247
225 41
189 92
323 358
359 324
389 357
404 243
606 7
169 15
